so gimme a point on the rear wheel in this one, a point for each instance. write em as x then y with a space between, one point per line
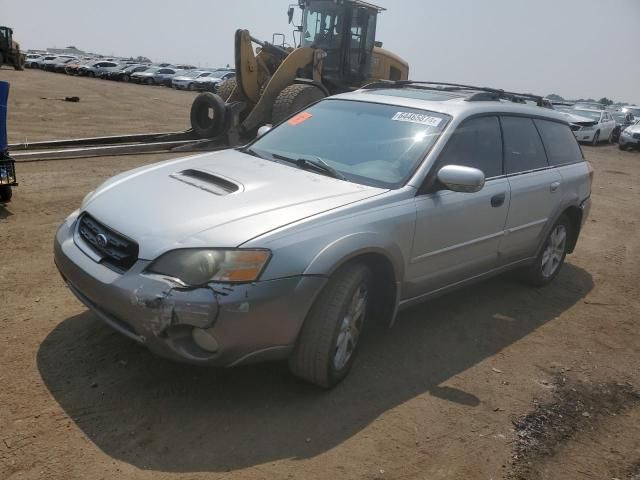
228 91
548 263
293 99
329 338
5 193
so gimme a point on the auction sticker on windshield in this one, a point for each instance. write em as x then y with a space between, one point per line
299 118
417 118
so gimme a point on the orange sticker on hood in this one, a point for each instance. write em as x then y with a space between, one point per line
299 118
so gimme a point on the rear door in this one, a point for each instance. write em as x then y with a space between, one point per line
457 234
536 189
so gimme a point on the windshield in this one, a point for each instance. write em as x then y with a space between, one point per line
322 25
219 74
587 114
368 143
191 74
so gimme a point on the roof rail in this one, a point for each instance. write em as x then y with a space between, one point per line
483 94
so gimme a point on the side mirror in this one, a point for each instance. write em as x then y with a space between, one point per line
264 129
290 14
461 179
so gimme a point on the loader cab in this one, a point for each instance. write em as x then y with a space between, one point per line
5 38
346 31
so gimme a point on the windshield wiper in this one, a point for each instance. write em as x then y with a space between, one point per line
315 163
252 152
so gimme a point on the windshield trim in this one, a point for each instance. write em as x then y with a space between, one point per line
366 181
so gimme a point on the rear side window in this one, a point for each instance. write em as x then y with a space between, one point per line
476 143
560 143
523 150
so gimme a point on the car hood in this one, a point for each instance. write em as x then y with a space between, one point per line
220 199
633 128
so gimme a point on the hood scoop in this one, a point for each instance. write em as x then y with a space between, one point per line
206 181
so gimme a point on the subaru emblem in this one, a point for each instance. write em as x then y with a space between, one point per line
102 240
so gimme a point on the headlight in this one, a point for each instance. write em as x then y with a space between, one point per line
626 132
201 266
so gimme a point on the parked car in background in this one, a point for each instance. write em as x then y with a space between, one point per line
184 66
595 126
364 204
185 80
125 74
164 76
94 69
589 106
145 76
32 60
633 110
104 72
623 120
60 67
210 82
630 137
73 68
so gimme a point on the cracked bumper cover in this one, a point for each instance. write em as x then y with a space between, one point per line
251 322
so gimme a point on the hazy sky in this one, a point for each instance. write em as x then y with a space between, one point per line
576 48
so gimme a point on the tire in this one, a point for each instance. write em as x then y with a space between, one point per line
190 87
149 81
125 78
293 99
202 124
5 193
610 139
92 75
19 64
596 139
549 261
317 356
228 91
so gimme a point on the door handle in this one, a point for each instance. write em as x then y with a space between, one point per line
498 200
555 186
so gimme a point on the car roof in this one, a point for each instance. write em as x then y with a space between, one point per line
455 104
594 110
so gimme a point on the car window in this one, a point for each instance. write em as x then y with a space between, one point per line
523 150
559 142
476 143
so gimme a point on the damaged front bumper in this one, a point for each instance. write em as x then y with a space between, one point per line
249 322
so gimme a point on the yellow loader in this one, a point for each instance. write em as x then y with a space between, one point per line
337 53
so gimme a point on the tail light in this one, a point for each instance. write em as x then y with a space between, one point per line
591 172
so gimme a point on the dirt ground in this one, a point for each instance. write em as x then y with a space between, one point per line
495 381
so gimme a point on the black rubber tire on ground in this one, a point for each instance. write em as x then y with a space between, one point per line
125 78
149 81
19 64
596 139
294 98
204 125
312 359
228 91
533 274
5 193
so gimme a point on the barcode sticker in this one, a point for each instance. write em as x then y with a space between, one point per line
417 118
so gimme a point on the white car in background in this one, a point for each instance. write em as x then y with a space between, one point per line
186 80
630 137
592 126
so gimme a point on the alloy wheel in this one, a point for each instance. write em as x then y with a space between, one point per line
554 251
350 328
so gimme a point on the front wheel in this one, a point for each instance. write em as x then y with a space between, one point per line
549 261
125 78
596 139
329 339
149 81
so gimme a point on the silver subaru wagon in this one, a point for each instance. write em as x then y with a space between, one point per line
361 204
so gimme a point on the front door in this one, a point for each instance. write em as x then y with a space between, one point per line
457 234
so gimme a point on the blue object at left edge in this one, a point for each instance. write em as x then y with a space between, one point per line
4 98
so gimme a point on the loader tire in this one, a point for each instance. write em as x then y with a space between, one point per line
19 64
293 99
208 114
228 91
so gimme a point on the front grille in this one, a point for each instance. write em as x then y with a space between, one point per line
8 172
575 127
117 251
636 135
